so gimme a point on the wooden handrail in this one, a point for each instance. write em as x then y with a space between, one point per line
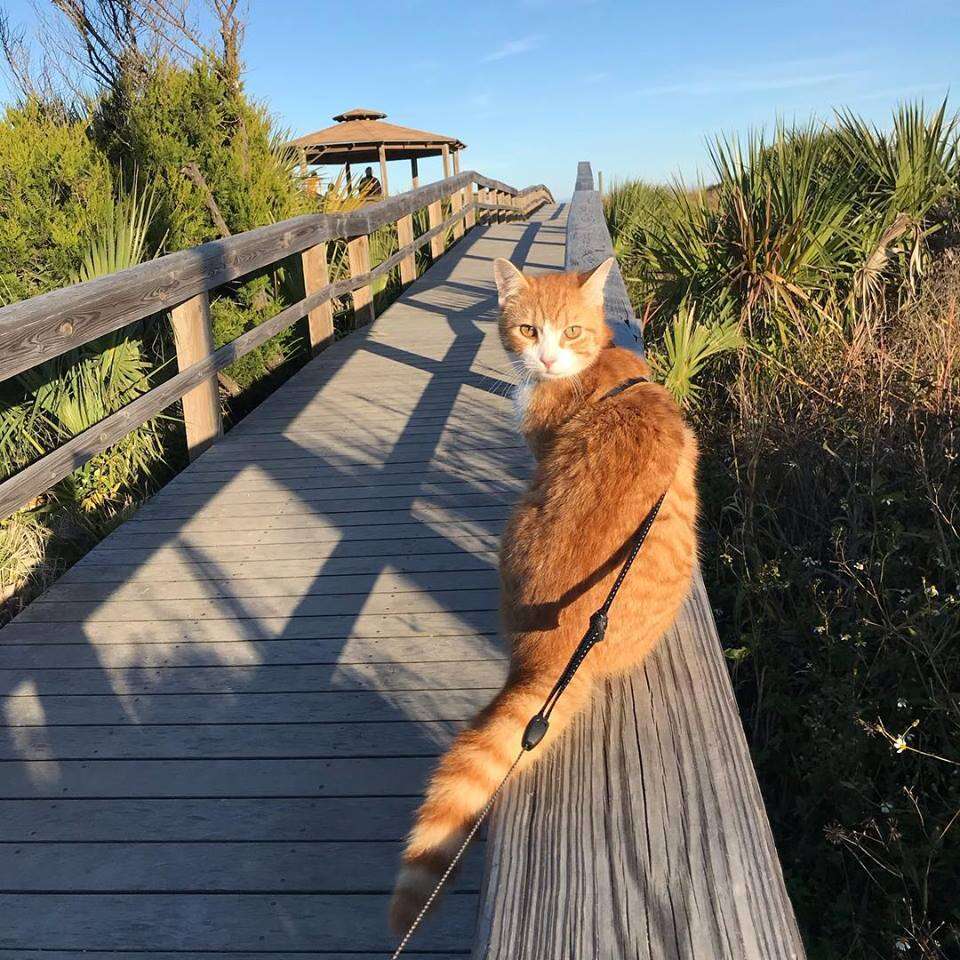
49 325
643 833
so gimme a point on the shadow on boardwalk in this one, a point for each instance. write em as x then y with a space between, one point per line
217 725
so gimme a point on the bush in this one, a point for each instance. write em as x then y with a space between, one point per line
831 499
182 115
55 187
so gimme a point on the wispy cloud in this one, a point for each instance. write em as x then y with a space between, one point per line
725 83
941 90
594 78
512 48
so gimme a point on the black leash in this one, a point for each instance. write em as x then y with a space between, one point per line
537 728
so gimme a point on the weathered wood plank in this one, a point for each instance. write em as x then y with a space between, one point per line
78 652
211 741
221 867
186 820
289 777
218 923
222 955
260 629
103 576
199 588
344 706
259 678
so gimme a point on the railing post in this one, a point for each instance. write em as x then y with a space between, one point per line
456 205
435 218
358 253
193 336
315 277
408 265
470 219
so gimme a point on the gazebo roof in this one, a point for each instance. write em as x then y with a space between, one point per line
357 135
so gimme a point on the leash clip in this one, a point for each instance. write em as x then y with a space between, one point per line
535 731
598 626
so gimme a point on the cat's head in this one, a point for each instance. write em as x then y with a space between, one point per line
553 321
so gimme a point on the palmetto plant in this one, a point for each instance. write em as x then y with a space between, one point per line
69 394
901 180
688 344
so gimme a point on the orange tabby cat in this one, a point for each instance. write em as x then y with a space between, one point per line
602 462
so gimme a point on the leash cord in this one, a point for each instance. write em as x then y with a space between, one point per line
453 863
540 722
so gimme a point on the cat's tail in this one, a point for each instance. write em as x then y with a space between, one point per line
466 778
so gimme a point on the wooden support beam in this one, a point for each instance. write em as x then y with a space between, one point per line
414 173
456 204
445 153
408 265
193 336
470 220
435 217
456 162
358 253
316 276
383 171
346 168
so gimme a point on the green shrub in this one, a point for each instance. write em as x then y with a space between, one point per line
179 116
54 189
831 498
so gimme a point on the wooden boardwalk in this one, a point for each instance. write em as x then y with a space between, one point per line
216 726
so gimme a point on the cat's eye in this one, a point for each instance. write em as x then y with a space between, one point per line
571 333
528 331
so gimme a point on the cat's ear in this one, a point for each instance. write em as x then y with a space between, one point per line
591 289
510 281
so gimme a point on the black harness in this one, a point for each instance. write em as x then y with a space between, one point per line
626 385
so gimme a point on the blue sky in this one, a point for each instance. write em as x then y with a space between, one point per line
533 86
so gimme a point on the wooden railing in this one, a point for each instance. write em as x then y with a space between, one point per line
643 833
47 326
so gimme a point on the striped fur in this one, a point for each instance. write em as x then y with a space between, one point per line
601 464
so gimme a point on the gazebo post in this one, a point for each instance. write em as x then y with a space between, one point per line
346 168
445 152
383 170
414 172
456 162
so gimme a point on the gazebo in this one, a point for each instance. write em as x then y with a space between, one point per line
364 136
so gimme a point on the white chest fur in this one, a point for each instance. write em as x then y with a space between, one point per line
521 400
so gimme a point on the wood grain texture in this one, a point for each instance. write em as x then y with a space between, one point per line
435 221
408 265
643 833
215 727
193 336
358 254
316 276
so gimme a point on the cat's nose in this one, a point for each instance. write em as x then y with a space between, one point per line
548 362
